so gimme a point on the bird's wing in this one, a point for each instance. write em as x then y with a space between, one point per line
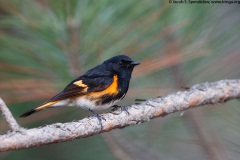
83 86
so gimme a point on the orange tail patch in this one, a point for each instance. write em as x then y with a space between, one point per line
38 108
45 105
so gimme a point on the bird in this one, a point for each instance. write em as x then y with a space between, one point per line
99 88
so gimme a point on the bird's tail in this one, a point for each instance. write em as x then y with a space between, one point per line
45 105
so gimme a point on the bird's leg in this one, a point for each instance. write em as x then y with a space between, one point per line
122 108
98 117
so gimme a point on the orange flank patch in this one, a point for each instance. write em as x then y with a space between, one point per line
111 90
45 105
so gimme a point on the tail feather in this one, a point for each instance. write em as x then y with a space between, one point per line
28 113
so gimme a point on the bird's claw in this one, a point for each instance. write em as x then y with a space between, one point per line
98 117
122 108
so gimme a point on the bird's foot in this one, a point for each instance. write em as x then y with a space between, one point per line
98 117
116 108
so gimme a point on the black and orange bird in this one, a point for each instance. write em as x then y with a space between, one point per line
99 88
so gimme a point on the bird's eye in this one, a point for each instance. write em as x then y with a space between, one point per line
120 63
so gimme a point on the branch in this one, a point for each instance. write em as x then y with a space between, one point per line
9 117
198 95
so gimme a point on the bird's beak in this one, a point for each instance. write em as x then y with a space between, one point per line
135 63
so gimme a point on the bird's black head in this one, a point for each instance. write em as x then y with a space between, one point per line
121 65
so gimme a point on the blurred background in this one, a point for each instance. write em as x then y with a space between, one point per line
45 44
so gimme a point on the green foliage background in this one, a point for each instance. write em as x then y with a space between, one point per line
45 44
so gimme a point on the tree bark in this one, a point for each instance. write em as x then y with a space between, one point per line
198 95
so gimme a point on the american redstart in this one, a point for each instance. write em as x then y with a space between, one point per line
99 88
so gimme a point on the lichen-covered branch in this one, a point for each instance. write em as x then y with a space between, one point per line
198 95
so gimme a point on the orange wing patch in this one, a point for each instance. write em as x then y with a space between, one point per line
81 84
112 89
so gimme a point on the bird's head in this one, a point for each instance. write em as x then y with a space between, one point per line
121 65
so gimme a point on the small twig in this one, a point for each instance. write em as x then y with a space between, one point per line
9 117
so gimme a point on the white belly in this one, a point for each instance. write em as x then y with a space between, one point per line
87 104
84 103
